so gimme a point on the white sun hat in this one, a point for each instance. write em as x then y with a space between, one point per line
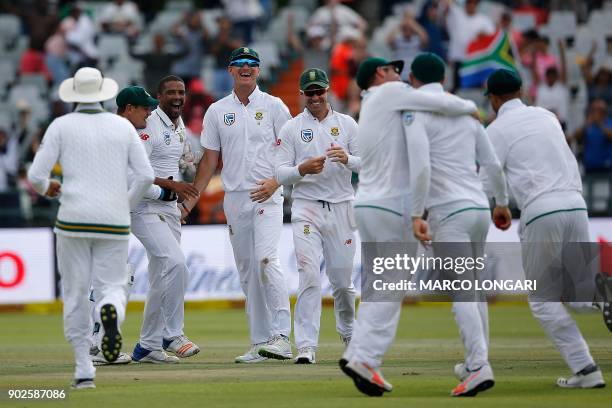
88 85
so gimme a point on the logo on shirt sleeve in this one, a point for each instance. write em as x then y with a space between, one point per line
144 137
229 119
307 135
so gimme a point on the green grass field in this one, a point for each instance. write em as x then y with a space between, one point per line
34 354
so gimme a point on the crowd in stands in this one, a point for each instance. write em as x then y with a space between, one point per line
561 48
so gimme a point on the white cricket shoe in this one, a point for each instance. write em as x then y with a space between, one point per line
98 359
368 380
278 348
251 356
82 383
476 381
461 371
181 346
306 355
142 355
592 379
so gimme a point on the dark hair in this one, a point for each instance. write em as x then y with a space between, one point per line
121 109
164 80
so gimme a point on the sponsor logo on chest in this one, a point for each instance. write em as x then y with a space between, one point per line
307 135
229 118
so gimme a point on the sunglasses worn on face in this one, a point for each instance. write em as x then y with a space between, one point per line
238 63
313 92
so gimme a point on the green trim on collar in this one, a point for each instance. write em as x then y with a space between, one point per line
553 212
379 208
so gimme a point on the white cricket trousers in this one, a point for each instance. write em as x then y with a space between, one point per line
469 224
254 231
376 323
322 228
84 262
164 312
561 328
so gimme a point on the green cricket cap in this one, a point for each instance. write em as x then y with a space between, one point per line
503 81
244 52
313 77
135 95
427 67
368 67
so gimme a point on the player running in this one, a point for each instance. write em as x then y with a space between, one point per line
544 178
443 153
317 155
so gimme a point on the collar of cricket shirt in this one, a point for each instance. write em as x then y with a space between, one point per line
253 96
434 87
93 107
330 113
167 121
510 105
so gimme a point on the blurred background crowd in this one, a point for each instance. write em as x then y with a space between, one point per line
561 48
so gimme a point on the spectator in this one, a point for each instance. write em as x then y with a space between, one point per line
316 52
537 58
429 20
80 35
56 57
244 15
540 14
333 17
8 161
122 17
221 48
596 137
407 40
342 65
505 23
464 25
26 132
157 62
32 61
552 93
599 86
193 39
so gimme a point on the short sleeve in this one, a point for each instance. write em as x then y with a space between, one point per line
210 137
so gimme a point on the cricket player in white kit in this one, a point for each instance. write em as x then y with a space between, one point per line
382 205
317 155
134 104
443 153
95 149
244 127
543 177
156 223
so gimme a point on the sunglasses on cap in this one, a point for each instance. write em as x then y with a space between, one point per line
313 92
240 62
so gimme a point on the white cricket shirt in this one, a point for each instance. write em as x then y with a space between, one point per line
305 137
95 150
538 163
246 136
164 144
456 145
384 176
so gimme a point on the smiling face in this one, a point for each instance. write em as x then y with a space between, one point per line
137 115
316 100
172 98
245 75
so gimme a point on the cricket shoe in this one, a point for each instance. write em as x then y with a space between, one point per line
604 286
180 346
82 383
306 355
476 381
278 348
590 377
461 372
251 356
142 355
368 380
98 359
111 341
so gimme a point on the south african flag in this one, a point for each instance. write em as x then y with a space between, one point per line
484 55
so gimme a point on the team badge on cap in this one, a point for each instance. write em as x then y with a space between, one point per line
307 135
335 132
229 119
